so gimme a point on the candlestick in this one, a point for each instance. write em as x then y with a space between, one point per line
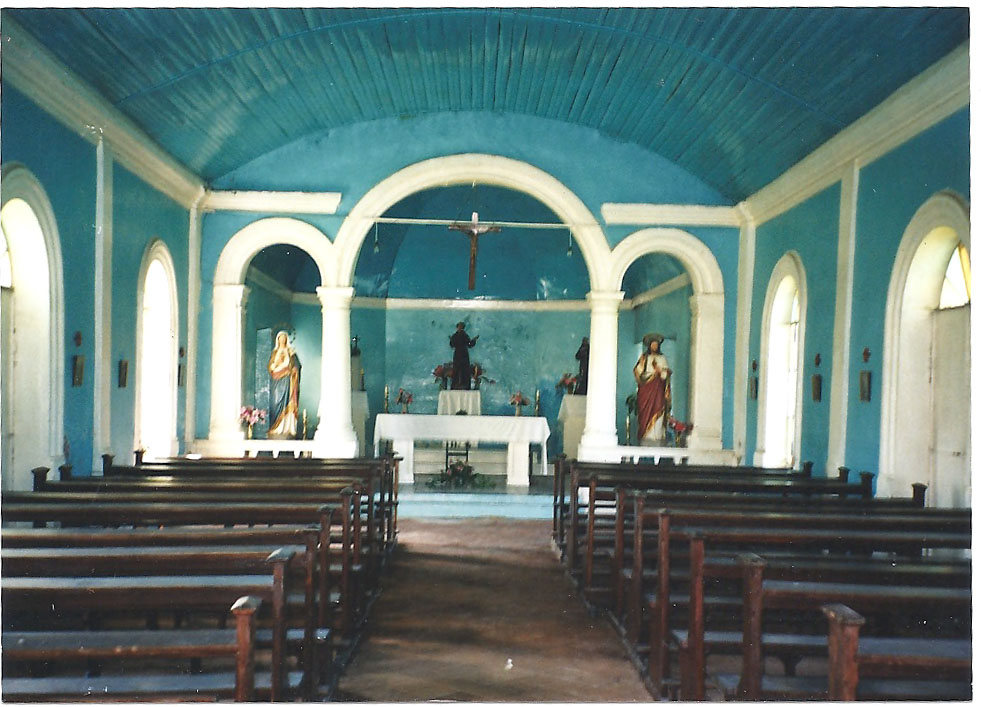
385 408
538 402
362 379
304 423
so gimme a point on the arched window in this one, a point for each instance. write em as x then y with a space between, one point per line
156 420
779 424
956 290
27 318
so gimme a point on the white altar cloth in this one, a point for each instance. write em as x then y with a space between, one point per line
450 402
517 431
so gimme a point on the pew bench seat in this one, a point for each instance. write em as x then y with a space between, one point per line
815 687
194 687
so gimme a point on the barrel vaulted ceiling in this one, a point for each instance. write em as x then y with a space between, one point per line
734 95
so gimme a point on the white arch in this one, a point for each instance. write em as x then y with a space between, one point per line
914 292
17 182
707 321
228 303
157 251
464 169
242 247
789 266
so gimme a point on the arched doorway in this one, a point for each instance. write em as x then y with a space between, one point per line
156 391
926 358
782 351
33 323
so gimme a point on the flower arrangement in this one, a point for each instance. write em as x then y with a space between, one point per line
679 430
250 415
403 399
459 475
567 382
519 401
477 373
442 372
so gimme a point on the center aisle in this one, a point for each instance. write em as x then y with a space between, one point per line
479 610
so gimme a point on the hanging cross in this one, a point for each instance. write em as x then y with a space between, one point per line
474 229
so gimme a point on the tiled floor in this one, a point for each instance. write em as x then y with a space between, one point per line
479 610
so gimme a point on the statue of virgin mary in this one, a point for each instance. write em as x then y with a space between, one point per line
284 370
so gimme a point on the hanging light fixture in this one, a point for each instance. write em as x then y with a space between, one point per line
376 248
568 251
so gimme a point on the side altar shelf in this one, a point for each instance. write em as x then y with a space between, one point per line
517 432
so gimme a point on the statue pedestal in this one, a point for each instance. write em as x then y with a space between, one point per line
451 402
572 416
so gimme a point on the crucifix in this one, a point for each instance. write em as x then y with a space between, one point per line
474 230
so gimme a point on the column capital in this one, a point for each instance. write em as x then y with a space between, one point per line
335 297
604 300
234 294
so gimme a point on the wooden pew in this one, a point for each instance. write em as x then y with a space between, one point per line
45 599
378 474
102 511
136 645
852 659
906 602
845 556
667 480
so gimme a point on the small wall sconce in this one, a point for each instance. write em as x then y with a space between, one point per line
866 354
817 359
754 384
865 386
78 370
123 376
77 338
816 382
181 369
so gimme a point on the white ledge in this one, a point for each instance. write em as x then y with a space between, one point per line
669 215
278 202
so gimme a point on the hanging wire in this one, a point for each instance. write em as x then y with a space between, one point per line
376 248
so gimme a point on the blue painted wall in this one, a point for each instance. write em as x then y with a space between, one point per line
811 230
65 166
141 215
890 191
354 158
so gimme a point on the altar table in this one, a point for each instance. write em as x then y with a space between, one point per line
517 431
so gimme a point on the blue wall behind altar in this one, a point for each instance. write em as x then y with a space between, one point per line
521 350
64 164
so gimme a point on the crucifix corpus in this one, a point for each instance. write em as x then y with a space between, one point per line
474 230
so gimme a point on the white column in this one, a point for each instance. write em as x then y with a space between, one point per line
193 308
226 361
841 340
744 308
335 435
600 429
707 345
102 368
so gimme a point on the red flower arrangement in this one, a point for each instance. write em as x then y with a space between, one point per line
442 373
477 373
518 399
567 382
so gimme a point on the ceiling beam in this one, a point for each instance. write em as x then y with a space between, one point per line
669 215
278 202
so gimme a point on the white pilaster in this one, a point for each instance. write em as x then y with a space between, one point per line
193 308
228 324
744 305
102 370
335 435
706 340
840 370
600 430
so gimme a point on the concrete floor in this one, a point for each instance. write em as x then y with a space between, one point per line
479 610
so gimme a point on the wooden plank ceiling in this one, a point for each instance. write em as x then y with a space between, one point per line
736 96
